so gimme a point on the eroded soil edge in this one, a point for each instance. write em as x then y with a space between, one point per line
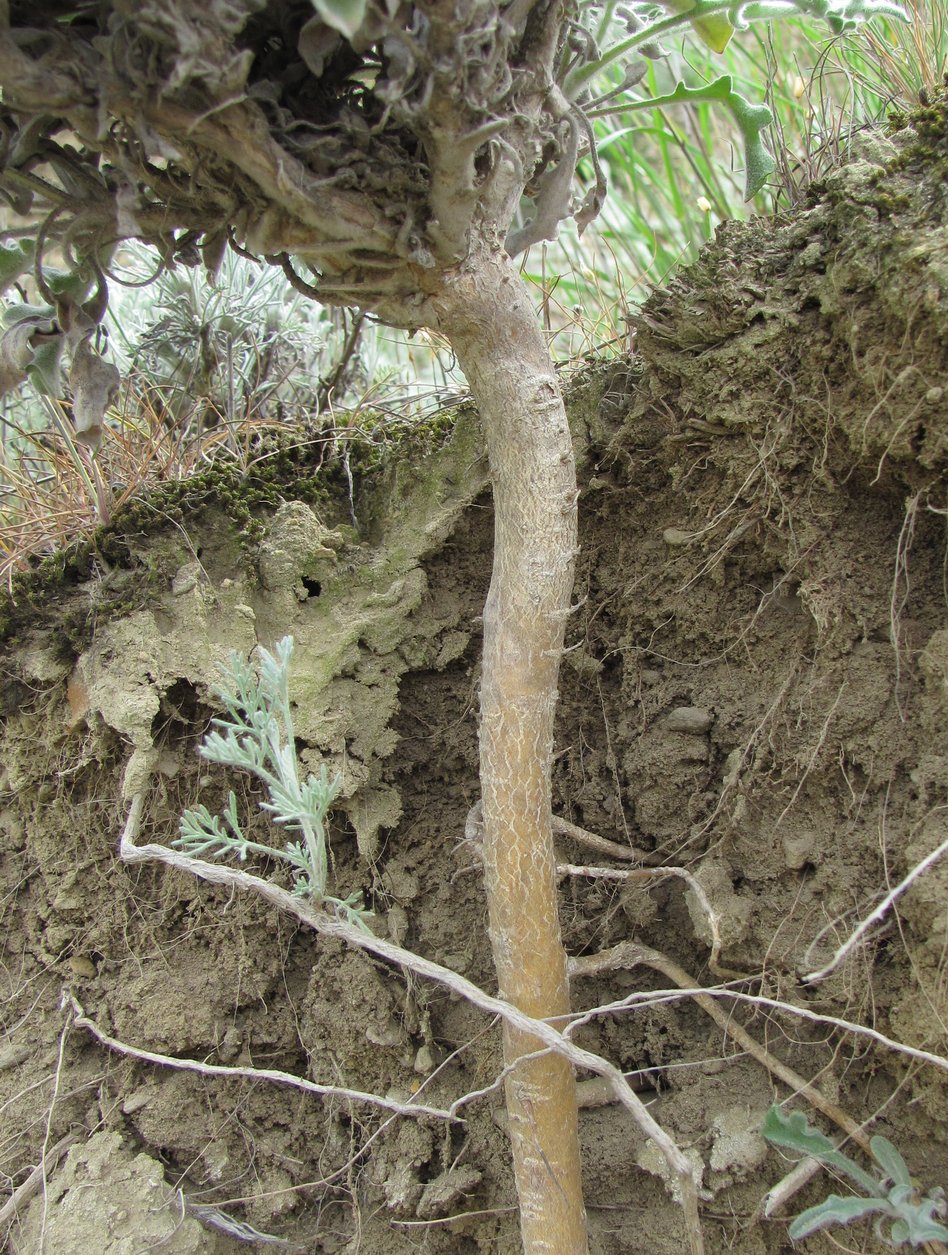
756 689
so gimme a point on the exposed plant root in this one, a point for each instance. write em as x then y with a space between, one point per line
659 873
35 1181
562 827
680 1167
256 1074
875 916
779 1195
629 954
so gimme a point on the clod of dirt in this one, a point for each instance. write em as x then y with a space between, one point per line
109 1199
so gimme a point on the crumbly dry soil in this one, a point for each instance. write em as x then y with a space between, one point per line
756 690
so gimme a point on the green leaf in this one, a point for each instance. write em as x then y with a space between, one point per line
73 284
920 1228
16 353
890 1161
751 119
714 31
95 386
15 257
915 1222
13 315
833 1210
795 1133
344 16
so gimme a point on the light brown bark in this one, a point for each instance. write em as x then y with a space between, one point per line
486 313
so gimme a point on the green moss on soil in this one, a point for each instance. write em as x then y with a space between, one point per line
284 468
930 124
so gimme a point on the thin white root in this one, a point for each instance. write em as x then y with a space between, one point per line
658 873
473 827
332 926
710 993
255 1074
876 916
860 1030
630 954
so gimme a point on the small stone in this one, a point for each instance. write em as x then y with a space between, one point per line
169 764
186 579
447 1191
738 1144
732 766
230 1045
424 1060
385 1032
135 1101
675 536
692 720
797 851
934 395
649 677
82 967
397 922
67 900
12 1056
401 884
457 961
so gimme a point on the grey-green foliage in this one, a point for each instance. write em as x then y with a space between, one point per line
243 343
34 336
257 736
903 1215
239 340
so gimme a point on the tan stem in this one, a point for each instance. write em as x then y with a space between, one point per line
486 313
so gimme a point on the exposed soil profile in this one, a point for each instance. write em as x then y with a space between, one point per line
755 690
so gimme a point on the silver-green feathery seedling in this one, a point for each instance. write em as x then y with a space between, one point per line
257 736
891 1195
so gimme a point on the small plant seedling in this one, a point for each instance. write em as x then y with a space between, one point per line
903 1215
257 736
